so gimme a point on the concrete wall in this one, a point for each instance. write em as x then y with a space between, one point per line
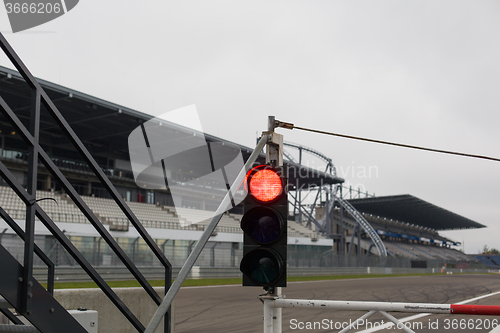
110 318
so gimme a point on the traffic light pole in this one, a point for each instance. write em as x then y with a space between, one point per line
272 314
274 157
274 147
183 273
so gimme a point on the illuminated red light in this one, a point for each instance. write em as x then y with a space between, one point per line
265 185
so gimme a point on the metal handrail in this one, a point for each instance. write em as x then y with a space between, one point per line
365 225
40 97
38 251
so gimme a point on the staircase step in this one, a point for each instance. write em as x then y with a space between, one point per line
47 314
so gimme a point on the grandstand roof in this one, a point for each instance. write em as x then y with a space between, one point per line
104 127
409 209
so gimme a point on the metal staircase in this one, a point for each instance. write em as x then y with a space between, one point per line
17 284
364 224
45 313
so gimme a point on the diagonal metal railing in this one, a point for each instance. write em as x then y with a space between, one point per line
365 225
46 260
31 138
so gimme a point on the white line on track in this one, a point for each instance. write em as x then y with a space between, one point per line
64 6
496 330
216 286
410 318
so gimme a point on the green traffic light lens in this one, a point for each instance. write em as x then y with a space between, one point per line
263 224
263 266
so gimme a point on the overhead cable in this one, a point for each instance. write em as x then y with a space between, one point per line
292 126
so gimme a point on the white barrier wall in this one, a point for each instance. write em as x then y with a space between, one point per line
110 319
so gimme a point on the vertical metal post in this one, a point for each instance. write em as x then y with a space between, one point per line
296 253
212 255
342 238
234 247
29 242
95 252
313 207
299 195
164 245
268 316
270 123
329 218
274 156
272 314
134 251
168 322
277 319
359 242
3 145
274 147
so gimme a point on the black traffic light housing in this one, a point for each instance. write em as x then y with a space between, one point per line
264 224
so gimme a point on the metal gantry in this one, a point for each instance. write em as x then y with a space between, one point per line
333 194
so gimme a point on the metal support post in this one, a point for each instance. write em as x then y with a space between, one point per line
268 316
234 247
352 240
38 251
29 243
299 194
274 146
274 157
313 206
358 253
342 236
278 313
272 314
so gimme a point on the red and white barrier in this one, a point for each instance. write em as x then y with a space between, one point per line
493 310
272 305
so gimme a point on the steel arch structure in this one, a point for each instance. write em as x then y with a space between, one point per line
331 197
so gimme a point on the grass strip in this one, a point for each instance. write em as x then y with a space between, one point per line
229 281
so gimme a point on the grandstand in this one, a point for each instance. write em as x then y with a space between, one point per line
490 260
407 227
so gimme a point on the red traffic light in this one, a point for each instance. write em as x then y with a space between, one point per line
264 183
264 225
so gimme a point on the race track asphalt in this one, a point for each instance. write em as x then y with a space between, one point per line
237 309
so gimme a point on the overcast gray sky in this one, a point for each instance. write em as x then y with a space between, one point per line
417 72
